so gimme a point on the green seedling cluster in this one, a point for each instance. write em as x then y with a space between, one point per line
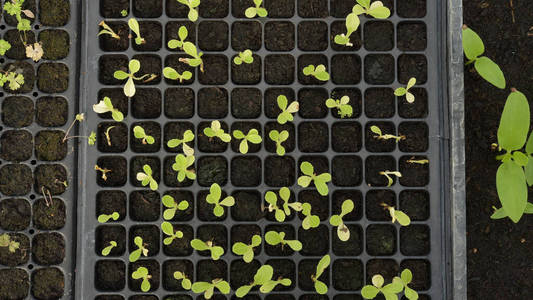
216 251
142 273
286 109
215 193
6 241
319 72
397 215
168 229
193 11
186 283
322 265
14 79
216 131
103 218
380 136
252 137
172 206
172 74
389 174
336 220
320 181
105 106
14 8
134 26
343 108
146 178
133 67
247 251
107 249
182 165
352 23
141 249
139 133
107 30
182 35
285 209
275 238
310 220
208 288
391 290
256 10
262 278
278 138
244 57
375 9
188 136
401 91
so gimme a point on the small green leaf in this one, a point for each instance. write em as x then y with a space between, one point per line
369 292
512 189
514 122
490 71
321 287
472 44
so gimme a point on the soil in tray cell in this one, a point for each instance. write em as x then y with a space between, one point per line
106 234
305 60
418 109
272 109
412 36
213 35
374 165
180 247
246 171
288 144
388 268
49 215
51 177
205 210
153 270
379 69
280 250
150 64
145 206
20 256
110 275
147 8
241 273
271 216
421 270
179 103
379 103
56 43
340 8
146 103
51 111
312 104
313 137
380 239
375 211
355 101
150 236
16 145
48 248
246 73
353 246
113 8
339 27
152 33
173 61
312 8
347 170
174 9
15 179
152 129
339 196
118 174
412 8
372 141
214 9
315 241
306 269
137 164
416 136
16 283
379 35
415 203
312 36
348 274
176 130
118 99
107 66
215 70
412 65
279 36
108 43
246 103
212 169
279 171
15 214
47 283
248 206
413 173
17 111
29 76
171 32
112 137
215 233
15 38
320 163
279 69
415 240
49 145
346 69
176 265
346 137
207 270
108 202
280 8
212 103
246 35
52 77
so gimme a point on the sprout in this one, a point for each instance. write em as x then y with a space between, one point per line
275 238
103 218
278 138
181 166
321 287
14 8
172 206
103 170
252 137
168 229
172 74
146 178
319 72
133 66
188 136
381 136
104 106
285 210
142 273
123 12
286 111
139 133
262 276
107 250
216 131
251 12
376 9
389 291
185 281
192 4
397 215
214 198
388 175
216 251
343 108
309 175
406 277
310 220
405 91
352 23
134 26
4 46
6 241
336 220
244 57
196 59
91 139
247 251
141 249
268 286
182 35
209 288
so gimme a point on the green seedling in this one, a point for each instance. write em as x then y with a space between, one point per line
216 131
473 47
376 9
172 206
185 281
181 166
247 251
141 249
405 278
209 288
276 238
134 26
107 30
139 133
4 46
270 285
107 250
123 12
336 220
91 139
321 181
193 12
286 109
380 136
182 35
214 196
262 276
401 91
390 290
188 136
343 108
146 178
172 74
105 106
397 215
321 287
319 72
252 137
14 8
104 171
6 241
14 79
310 220
285 209
103 218
216 251
196 59
142 273
244 57
352 23
251 12
278 138
388 174
168 229
133 66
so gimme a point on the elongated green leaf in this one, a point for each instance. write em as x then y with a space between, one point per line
472 44
512 189
514 122
490 71
528 171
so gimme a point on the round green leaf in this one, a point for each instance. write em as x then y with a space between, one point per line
321 287
514 122
167 228
369 292
243 291
294 244
193 15
182 32
250 12
272 238
512 189
239 248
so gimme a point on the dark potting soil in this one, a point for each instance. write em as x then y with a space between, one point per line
246 103
110 275
51 177
215 233
16 283
375 164
47 283
150 235
312 104
55 42
16 145
17 111
348 274
146 103
207 270
246 171
283 268
15 38
118 174
242 273
248 206
176 130
49 215
306 269
20 256
52 77
172 61
112 137
140 145
279 36
109 202
15 179
179 103
380 103
145 205
244 234
113 8
51 111
246 73
107 233
372 141
28 72
15 214
138 162
49 145
48 248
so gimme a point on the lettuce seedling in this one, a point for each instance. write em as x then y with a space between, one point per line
390 291
139 133
275 238
172 74
405 278
247 251
216 131
309 175
388 175
182 35
15 80
142 273
123 12
209 288
193 12
397 215
103 170
405 91
103 218
168 229
134 26
286 109
336 220
146 178
310 220
104 106
91 139
172 206
216 251
141 249
196 59
321 287
244 57
185 281
133 66
6 241
107 250
263 277
343 108
251 12
380 136
188 136
14 8
376 9
181 166
270 285
4 46
319 72
352 23
278 138
214 196
252 137
285 210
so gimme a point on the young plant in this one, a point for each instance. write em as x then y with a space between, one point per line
321 287
105 105
319 72
134 26
270 285
188 136
141 249
108 30
139 133
388 174
286 109
209 288
133 66
103 218
262 276
107 250
247 251
343 108
172 74
285 210
6 241
4 46
146 178
181 166
376 9
216 131
193 12
251 12
252 137
390 291
196 59
352 23
214 196
310 220
216 251
123 12
397 215
142 273
309 175
336 220
244 57
14 79
104 172
275 238
473 47
405 91
405 278
172 206
182 35
14 8
278 138
380 136
168 229
91 139
185 281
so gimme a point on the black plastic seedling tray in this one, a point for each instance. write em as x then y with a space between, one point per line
411 43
